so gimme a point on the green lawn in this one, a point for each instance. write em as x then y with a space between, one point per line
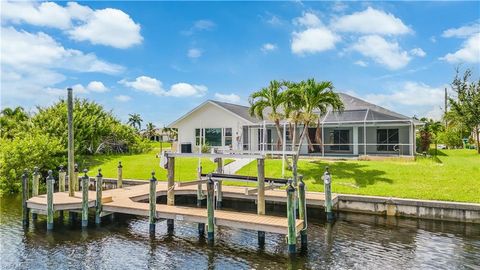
453 176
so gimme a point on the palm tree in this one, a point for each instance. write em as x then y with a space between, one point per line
135 121
433 127
307 101
150 130
272 97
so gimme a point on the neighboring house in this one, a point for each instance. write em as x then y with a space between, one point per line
361 129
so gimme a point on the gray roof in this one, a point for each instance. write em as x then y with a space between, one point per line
239 110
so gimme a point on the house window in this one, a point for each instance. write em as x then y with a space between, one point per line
228 136
198 136
340 140
213 136
386 139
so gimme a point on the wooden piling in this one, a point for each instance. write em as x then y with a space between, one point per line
98 201
85 182
327 182
219 162
210 211
170 188
50 211
292 234
71 161
120 175
61 179
25 211
261 196
35 187
76 180
201 226
152 199
302 209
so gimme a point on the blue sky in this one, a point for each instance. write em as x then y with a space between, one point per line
161 59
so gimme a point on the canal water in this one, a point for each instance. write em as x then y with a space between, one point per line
352 242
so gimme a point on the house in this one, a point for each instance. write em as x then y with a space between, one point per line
362 128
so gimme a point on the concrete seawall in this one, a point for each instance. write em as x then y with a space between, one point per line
438 210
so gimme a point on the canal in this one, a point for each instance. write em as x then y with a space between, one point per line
354 241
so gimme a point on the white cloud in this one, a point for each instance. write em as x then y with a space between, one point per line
313 40
274 20
381 51
308 19
145 84
469 52
231 98
371 21
268 47
111 27
339 6
200 25
462 32
418 52
122 98
194 53
154 86
96 86
361 63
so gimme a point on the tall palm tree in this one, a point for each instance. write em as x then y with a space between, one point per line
135 120
433 127
150 130
272 97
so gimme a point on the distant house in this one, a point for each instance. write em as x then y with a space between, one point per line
361 129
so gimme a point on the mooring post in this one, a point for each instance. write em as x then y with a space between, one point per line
327 180
35 185
50 212
120 175
302 209
152 199
76 180
261 196
219 162
85 181
25 212
201 226
71 157
210 211
170 188
98 201
61 179
292 234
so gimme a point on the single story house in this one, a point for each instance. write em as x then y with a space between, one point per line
361 129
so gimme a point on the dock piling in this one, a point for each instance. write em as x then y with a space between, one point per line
76 180
170 188
71 157
50 211
302 206
85 181
210 211
219 162
152 199
61 179
98 201
201 226
25 211
292 234
327 181
35 185
120 175
261 196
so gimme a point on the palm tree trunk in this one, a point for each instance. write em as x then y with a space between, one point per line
478 140
279 134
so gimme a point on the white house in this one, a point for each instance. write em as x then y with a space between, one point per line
361 129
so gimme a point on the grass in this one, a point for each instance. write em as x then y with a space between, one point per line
454 175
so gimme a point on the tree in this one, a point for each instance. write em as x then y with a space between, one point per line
430 131
13 121
172 133
150 130
269 98
466 104
135 121
306 102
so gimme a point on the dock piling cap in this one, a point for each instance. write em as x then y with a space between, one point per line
99 172
153 177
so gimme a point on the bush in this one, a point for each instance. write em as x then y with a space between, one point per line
451 138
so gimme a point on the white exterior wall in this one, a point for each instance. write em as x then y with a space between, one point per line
209 116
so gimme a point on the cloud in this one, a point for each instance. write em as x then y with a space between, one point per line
200 25
231 98
122 98
339 6
274 20
469 52
418 52
268 47
308 19
371 21
96 86
313 40
462 32
154 86
361 63
110 27
194 53
382 52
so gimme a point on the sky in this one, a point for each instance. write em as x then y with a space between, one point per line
161 59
